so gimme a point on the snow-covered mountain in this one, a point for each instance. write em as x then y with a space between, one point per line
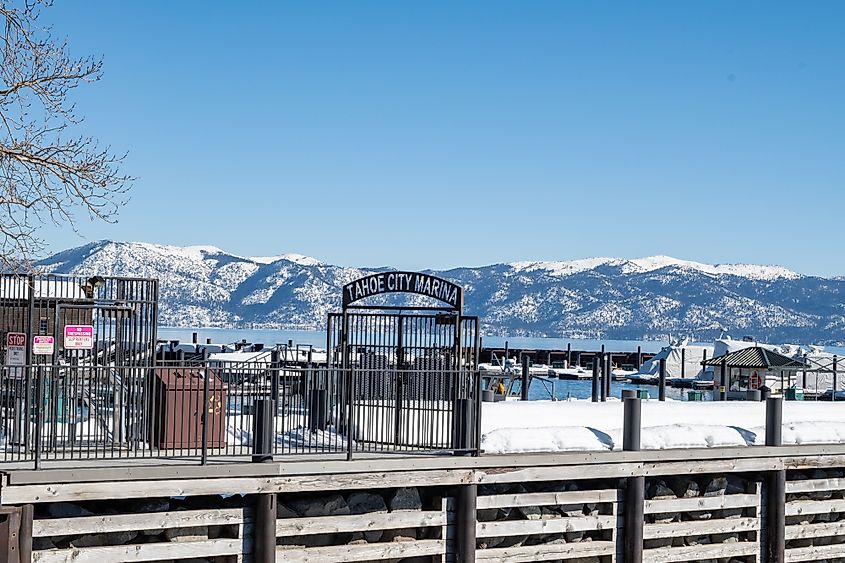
608 298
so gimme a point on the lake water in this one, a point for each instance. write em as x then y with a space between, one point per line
318 339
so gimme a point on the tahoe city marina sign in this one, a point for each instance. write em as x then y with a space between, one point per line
404 282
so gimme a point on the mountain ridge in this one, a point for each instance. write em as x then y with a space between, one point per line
609 298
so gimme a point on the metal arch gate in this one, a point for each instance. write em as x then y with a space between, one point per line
408 381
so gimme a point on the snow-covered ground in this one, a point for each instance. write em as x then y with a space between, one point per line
578 425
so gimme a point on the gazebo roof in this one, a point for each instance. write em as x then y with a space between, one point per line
756 357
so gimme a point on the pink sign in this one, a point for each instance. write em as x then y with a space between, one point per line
79 337
43 345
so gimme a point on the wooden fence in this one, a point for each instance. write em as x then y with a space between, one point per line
815 516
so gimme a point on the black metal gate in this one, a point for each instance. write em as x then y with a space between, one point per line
407 374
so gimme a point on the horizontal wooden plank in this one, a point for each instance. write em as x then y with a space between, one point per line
814 485
701 503
799 507
547 499
820 530
79 491
550 526
143 552
130 522
814 553
362 552
699 552
700 528
555 473
548 552
359 522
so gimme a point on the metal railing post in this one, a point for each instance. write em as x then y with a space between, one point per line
39 414
775 487
467 499
661 391
595 395
526 375
204 417
635 488
349 419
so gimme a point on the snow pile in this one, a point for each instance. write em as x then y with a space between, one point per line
578 425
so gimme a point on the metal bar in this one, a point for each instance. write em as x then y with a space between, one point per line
466 518
265 528
661 390
595 395
635 486
775 487
526 375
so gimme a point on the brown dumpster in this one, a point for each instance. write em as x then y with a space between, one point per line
177 406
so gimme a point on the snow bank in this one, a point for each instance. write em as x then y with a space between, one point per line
577 425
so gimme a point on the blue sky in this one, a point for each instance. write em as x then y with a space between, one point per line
441 134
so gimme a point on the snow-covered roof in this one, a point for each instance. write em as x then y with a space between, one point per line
755 357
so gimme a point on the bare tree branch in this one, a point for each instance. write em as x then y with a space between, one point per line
46 174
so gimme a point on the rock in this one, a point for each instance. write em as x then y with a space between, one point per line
151 505
683 487
367 503
659 491
548 513
530 512
42 543
488 514
736 485
111 538
320 505
716 487
66 510
700 515
284 511
697 540
573 537
186 534
405 499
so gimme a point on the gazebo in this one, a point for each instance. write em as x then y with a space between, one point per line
751 368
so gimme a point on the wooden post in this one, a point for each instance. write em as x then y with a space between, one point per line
467 522
661 391
635 488
775 490
725 381
595 382
639 356
569 354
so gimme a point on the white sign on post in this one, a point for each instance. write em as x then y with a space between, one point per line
79 337
16 354
43 345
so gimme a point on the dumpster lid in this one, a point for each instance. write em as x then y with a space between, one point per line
187 378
